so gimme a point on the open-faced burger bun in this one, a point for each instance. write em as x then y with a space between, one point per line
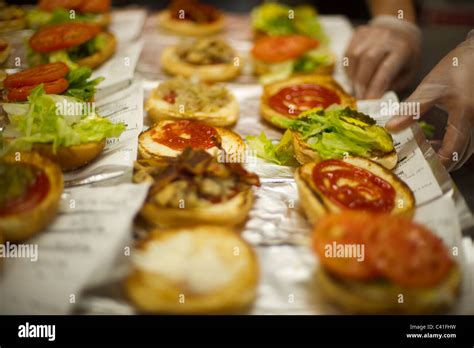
18 227
267 112
159 109
316 204
231 143
71 157
195 270
189 28
98 58
379 298
5 48
305 154
174 65
229 213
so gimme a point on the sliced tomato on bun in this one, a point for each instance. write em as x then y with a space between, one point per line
21 94
335 233
407 253
276 49
63 36
36 75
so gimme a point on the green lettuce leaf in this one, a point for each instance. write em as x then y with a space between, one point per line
428 129
278 19
37 18
45 121
282 153
337 131
62 56
79 84
311 60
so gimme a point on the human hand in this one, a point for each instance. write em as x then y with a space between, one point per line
448 86
383 55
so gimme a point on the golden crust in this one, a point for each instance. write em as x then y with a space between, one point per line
19 227
101 56
315 204
175 66
305 154
189 28
262 68
13 24
159 110
231 213
232 144
71 157
6 52
268 112
372 298
153 292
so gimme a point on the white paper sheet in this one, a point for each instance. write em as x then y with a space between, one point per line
79 248
119 154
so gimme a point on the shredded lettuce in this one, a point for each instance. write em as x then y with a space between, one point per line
308 63
62 56
336 131
428 129
278 19
37 18
47 120
282 153
80 86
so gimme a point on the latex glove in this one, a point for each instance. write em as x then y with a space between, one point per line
450 86
383 55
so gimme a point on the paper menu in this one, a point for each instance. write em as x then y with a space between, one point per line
121 67
124 106
127 24
77 250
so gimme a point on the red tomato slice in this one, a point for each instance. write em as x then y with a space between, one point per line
95 6
344 232
35 76
51 5
407 253
22 93
63 36
275 49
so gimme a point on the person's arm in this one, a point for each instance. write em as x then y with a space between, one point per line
393 8
385 53
448 86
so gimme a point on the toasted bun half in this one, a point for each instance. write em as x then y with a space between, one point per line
101 56
174 65
268 113
18 227
71 157
103 19
12 17
6 51
316 205
232 144
305 154
193 271
230 213
382 298
262 68
189 28
158 109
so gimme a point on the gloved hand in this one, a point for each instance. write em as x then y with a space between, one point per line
450 86
383 55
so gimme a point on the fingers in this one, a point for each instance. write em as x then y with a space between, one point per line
455 143
370 62
421 100
355 50
386 74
